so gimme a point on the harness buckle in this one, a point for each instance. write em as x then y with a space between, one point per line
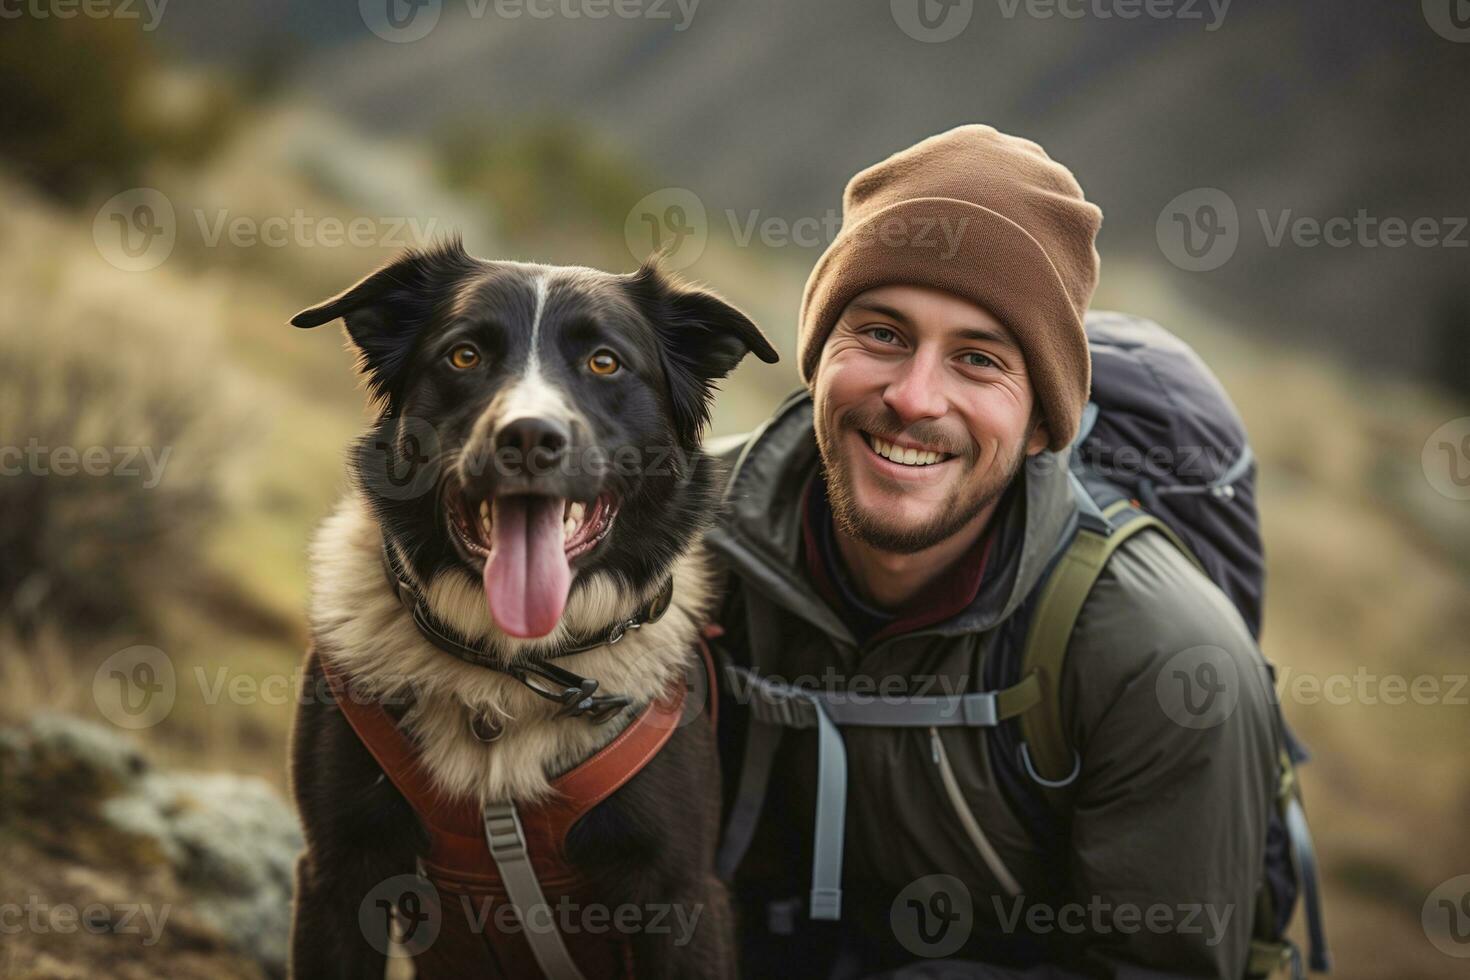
602 709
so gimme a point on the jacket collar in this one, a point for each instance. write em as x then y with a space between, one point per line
759 532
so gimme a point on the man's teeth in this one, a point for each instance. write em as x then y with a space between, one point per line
909 457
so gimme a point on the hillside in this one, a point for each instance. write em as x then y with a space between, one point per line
1368 562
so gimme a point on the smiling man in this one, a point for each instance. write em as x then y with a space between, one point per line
926 418
884 534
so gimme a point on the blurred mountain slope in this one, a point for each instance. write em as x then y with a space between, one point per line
1322 109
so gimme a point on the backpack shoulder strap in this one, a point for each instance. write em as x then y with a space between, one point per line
1045 749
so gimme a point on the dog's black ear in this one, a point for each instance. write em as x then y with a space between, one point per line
385 311
705 338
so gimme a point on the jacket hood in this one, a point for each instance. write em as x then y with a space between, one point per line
759 529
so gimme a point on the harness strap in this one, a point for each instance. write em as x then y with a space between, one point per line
523 849
507 844
826 900
710 631
761 742
1306 858
775 706
380 734
608 769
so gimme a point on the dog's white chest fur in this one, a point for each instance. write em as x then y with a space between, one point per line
359 623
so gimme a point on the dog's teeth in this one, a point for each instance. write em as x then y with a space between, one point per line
576 511
484 508
568 529
485 523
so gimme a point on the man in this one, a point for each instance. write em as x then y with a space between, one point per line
880 531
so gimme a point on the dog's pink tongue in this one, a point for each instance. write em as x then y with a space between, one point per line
527 576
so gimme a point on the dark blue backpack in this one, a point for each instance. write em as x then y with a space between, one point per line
1161 446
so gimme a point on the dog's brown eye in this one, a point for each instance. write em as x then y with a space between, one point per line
603 362
464 357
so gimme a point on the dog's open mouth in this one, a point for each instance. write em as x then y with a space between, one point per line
527 543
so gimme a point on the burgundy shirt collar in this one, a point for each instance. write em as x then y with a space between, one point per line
949 595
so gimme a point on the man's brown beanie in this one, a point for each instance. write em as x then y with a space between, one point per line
990 218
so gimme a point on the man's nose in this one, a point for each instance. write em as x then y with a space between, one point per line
917 391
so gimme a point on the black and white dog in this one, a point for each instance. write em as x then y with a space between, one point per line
534 477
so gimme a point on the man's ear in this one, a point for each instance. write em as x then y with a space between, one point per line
703 336
1040 435
385 311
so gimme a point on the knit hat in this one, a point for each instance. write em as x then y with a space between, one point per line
987 217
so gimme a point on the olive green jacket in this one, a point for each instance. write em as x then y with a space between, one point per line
1165 825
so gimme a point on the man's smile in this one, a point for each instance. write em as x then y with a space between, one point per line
906 460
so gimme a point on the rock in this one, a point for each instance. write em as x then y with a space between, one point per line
233 841
221 846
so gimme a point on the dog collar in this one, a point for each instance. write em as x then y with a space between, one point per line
576 694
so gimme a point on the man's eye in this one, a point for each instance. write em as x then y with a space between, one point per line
883 335
464 357
982 360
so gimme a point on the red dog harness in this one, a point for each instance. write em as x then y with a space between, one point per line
479 860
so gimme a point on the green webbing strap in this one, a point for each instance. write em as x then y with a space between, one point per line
1267 957
1044 739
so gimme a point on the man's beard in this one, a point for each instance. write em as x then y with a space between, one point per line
961 507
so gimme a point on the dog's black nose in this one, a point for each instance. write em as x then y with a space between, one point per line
540 442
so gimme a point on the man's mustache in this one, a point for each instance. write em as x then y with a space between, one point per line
885 425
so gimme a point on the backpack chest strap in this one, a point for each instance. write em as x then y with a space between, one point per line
775 706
